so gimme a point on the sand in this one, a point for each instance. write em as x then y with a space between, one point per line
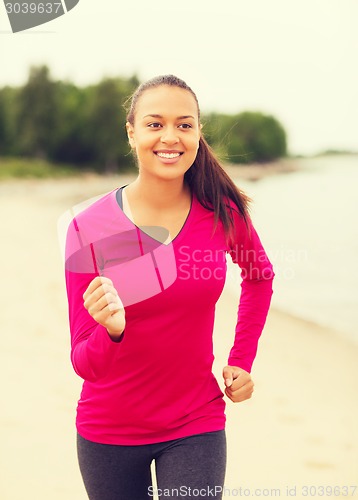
299 430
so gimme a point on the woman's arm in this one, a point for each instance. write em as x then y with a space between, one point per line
256 291
93 348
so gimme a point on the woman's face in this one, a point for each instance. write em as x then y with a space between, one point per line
166 132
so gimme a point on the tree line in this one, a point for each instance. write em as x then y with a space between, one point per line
84 126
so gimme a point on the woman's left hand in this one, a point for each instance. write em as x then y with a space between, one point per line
238 383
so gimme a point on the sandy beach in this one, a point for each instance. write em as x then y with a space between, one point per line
296 437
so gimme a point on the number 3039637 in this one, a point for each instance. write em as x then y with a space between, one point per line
32 8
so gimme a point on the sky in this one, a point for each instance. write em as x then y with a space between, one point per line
295 59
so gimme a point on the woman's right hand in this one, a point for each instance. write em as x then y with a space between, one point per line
104 305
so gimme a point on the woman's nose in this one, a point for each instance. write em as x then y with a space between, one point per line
169 135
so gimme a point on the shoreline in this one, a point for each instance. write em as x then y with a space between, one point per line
257 171
251 172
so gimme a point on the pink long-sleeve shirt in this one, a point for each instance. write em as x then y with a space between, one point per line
157 384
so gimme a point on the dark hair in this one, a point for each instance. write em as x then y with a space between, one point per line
206 178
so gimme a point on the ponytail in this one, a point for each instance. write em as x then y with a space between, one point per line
214 189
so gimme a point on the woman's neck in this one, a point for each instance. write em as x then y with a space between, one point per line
158 194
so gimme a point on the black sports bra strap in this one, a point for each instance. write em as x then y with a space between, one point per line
119 197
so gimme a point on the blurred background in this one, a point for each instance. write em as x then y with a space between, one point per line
277 85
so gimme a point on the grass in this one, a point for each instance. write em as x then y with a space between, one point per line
27 168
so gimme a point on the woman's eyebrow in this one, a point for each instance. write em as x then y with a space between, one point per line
184 117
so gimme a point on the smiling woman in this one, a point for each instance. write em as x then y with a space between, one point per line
142 309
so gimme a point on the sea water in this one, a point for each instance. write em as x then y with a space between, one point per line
307 222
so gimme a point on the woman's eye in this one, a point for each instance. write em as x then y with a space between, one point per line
154 125
185 125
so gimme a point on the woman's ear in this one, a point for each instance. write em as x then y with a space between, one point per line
130 134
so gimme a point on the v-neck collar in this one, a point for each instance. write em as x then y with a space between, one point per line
117 198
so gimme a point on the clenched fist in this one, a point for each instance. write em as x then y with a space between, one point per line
238 384
104 305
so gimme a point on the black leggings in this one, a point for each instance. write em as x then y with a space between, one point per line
191 467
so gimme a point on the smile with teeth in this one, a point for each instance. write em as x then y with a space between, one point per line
168 155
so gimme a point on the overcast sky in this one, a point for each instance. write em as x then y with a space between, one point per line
296 59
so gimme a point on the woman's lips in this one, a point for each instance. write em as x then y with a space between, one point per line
168 156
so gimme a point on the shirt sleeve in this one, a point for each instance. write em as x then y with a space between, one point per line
92 349
256 291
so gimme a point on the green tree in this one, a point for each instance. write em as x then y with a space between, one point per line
8 97
245 138
4 121
255 137
71 144
106 119
37 114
